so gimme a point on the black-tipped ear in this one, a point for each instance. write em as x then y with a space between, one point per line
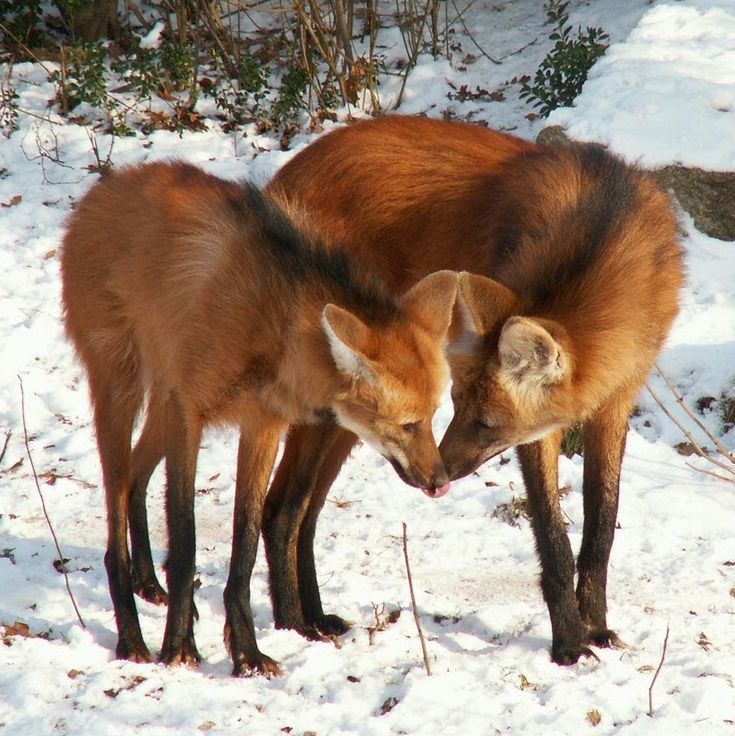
482 305
431 301
348 338
530 353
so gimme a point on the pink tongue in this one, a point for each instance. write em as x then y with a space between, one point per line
436 492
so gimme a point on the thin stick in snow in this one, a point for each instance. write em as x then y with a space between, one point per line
655 676
680 400
5 444
698 449
43 503
413 603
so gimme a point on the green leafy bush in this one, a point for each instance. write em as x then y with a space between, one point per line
240 97
564 70
22 23
291 95
140 68
84 76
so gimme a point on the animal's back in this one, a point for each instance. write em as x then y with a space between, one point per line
153 264
419 188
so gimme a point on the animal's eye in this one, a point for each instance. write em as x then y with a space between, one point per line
481 426
410 427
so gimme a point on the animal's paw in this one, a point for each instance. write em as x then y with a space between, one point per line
566 655
260 664
185 654
137 652
151 591
606 639
332 625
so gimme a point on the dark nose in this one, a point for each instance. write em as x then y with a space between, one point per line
441 477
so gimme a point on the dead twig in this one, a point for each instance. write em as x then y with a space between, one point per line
697 448
711 473
101 165
5 444
413 603
655 674
472 38
135 10
680 400
62 566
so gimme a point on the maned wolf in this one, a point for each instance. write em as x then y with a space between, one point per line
202 298
586 267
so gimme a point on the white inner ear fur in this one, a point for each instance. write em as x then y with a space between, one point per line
529 354
347 360
470 335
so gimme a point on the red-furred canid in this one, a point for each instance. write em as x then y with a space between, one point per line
584 268
206 301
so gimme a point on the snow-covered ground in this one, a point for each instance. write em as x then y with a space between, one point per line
665 92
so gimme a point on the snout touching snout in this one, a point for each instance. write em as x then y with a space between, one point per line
439 485
434 483
437 492
466 446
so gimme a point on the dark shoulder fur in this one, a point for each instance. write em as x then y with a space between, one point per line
299 258
566 207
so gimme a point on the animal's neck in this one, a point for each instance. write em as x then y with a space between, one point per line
308 381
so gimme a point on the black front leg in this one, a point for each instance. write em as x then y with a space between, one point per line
255 458
182 446
604 445
336 452
311 461
540 466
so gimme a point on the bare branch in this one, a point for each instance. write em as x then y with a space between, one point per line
413 603
655 676
43 503
680 400
472 38
5 444
698 449
710 473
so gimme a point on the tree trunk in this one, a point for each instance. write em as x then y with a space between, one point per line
94 21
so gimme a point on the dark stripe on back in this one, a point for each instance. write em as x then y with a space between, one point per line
565 244
300 260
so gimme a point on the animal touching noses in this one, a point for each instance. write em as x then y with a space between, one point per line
440 484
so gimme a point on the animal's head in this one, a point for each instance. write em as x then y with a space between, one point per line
511 377
396 374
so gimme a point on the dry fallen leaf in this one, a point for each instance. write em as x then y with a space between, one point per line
17 629
16 200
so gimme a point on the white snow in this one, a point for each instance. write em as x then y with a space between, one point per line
663 93
667 93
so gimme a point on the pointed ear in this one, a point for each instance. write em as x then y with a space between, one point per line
530 353
431 301
482 304
348 338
